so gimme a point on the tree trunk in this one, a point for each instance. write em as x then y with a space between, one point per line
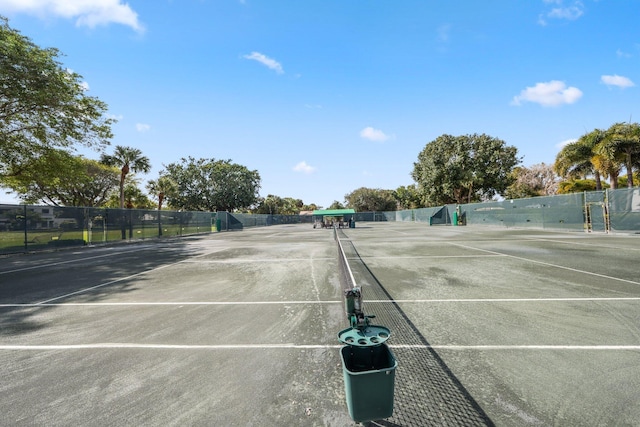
598 181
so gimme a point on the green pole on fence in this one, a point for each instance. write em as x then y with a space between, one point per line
25 229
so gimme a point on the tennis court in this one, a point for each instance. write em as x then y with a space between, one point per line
489 326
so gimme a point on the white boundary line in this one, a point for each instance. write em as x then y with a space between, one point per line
234 303
604 276
120 279
51 264
120 346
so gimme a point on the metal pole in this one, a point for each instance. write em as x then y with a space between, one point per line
25 228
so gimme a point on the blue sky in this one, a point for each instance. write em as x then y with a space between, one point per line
324 97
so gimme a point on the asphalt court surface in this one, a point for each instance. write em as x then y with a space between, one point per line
489 326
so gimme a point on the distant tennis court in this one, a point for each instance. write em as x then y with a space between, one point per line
489 326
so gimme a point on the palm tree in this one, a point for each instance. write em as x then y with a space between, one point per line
576 159
623 143
127 159
162 187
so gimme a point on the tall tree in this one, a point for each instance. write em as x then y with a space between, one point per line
578 159
212 185
134 197
371 200
537 180
59 178
127 159
43 105
408 197
623 142
464 169
161 188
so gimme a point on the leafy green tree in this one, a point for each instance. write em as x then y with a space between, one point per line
127 159
269 205
59 178
623 143
310 207
464 169
537 180
408 197
371 200
577 186
42 105
212 185
578 160
275 205
161 188
134 197
336 205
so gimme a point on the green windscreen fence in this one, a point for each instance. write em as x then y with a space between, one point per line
553 212
624 209
30 228
607 210
26 228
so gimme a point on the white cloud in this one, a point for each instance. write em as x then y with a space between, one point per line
571 11
143 127
622 54
266 61
373 134
84 86
548 94
615 80
304 168
444 33
90 13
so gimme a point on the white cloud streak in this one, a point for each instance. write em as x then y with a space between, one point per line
373 134
568 11
549 94
89 13
266 61
143 127
304 168
619 81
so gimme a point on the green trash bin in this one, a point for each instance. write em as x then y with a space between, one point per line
218 224
368 368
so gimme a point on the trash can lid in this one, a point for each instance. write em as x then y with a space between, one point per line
370 336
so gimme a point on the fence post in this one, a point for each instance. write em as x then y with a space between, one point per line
25 229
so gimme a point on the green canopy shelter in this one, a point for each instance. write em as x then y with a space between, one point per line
328 217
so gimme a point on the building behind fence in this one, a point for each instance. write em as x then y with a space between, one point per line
25 228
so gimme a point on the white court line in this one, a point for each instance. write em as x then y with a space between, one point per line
539 239
51 264
107 346
169 303
604 276
253 260
426 256
164 346
521 347
234 303
120 279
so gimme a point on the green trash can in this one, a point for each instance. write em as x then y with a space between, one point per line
368 368
218 224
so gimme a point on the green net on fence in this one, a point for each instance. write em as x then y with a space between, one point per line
560 212
624 209
30 228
